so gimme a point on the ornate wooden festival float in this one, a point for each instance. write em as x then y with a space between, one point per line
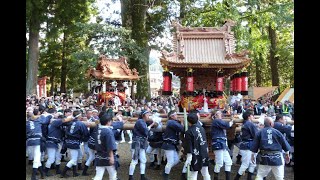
111 78
205 60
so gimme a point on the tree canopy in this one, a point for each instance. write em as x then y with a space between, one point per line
71 41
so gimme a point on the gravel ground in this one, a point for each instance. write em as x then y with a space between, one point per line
125 158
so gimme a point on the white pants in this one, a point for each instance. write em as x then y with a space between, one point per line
36 156
143 160
122 136
80 155
151 151
100 171
91 157
74 157
53 156
30 152
278 171
204 171
86 149
222 156
246 161
172 160
43 154
129 134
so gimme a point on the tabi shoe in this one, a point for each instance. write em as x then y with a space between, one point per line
46 171
183 176
41 172
34 174
227 175
130 177
237 177
84 172
165 176
143 177
216 176
64 172
74 171
58 171
79 166
249 177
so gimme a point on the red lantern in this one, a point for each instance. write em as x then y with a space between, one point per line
219 83
231 85
190 81
190 84
237 87
244 83
166 89
234 84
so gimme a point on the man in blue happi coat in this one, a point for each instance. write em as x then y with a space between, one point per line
270 143
219 144
106 148
248 133
171 141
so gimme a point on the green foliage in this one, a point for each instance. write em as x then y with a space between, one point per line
109 40
67 34
61 40
252 18
99 39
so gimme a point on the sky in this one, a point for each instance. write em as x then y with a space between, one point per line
108 13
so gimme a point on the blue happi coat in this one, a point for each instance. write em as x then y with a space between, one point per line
218 134
140 134
55 133
270 142
104 143
34 131
171 135
196 144
76 132
285 130
248 133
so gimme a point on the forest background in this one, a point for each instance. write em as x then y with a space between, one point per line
65 37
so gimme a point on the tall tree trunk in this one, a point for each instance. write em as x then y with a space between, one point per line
139 34
126 14
126 18
64 65
33 51
273 59
258 71
182 10
133 15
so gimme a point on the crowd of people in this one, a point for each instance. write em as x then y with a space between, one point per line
75 130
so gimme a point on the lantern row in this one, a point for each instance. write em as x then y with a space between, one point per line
238 83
